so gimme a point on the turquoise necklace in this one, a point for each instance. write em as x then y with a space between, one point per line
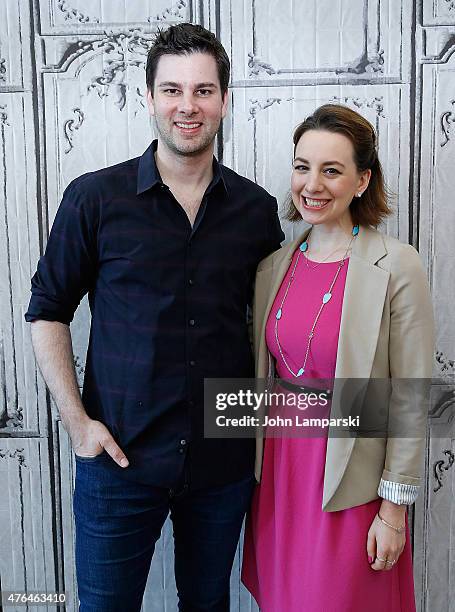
303 248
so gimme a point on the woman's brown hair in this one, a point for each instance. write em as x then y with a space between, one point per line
372 207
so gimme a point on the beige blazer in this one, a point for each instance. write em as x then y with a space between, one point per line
386 330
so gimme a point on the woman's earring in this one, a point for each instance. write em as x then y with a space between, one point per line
359 195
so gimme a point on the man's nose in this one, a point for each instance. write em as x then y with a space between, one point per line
188 104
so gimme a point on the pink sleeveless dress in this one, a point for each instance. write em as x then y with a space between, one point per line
296 557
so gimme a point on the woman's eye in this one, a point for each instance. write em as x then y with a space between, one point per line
300 168
332 171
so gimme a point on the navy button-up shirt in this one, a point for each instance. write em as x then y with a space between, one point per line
168 304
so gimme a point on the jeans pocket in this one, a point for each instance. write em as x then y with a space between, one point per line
100 457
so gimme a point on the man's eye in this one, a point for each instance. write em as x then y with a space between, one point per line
204 92
171 91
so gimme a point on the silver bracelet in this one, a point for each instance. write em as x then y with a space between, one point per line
397 529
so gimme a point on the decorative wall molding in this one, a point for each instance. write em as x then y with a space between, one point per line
437 13
361 41
258 105
72 125
364 65
67 16
438 45
367 63
15 420
73 14
376 103
79 366
3 70
132 41
447 119
257 66
446 365
120 51
170 14
3 115
441 466
17 454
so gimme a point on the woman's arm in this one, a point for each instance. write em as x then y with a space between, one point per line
411 354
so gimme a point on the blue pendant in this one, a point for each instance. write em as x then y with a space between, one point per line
304 246
300 372
355 230
326 298
278 314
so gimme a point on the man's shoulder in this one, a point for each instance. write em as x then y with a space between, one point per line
245 185
107 180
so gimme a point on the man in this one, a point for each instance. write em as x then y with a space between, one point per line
166 245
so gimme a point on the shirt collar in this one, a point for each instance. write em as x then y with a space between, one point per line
148 175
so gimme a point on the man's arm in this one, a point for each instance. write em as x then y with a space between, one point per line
54 354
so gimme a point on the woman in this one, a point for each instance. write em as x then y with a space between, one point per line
327 530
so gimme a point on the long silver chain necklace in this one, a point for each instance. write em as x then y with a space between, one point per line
303 248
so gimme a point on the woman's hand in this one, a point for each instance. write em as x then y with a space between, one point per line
384 544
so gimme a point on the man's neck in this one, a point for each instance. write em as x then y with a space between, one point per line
192 171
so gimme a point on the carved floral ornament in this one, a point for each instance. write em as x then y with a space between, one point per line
442 466
71 125
120 51
446 365
447 121
3 115
16 454
376 103
72 13
366 64
2 69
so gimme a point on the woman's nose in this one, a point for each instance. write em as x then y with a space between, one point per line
313 183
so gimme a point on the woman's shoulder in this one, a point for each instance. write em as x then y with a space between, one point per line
400 257
271 260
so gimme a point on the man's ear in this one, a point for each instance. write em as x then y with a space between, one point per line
225 104
150 101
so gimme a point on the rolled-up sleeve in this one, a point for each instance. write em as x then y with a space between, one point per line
411 352
67 270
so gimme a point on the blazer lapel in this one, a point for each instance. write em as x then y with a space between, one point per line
363 304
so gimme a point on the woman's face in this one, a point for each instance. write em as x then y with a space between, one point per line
325 178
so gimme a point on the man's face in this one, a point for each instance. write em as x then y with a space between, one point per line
187 102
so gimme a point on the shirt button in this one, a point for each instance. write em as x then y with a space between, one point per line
181 451
190 282
192 363
192 322
191 404
182 442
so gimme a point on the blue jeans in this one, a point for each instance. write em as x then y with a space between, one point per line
118 523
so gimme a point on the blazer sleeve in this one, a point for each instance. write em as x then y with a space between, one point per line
411 355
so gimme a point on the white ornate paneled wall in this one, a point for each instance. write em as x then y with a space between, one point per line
72 100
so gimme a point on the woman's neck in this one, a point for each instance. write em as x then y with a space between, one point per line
329 242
